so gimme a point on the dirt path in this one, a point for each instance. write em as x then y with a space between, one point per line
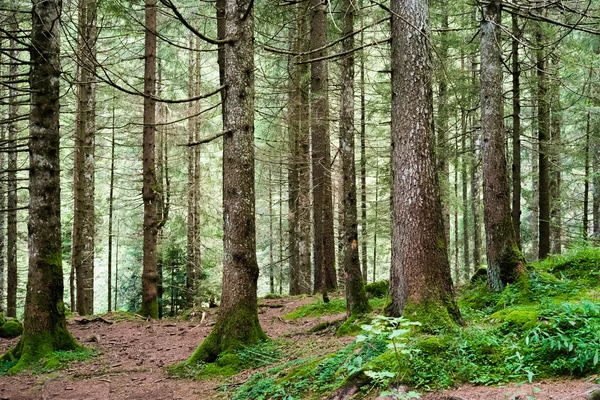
134 356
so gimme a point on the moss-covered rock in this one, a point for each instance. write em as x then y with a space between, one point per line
11 329
379 289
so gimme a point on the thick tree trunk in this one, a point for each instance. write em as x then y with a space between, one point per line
196 188
237 323
149 275
11 187
505 263
420 281
586 182
534 197
363 153
82 254
543 142
476 161
516 124
44 324
356 296
3 116
324 243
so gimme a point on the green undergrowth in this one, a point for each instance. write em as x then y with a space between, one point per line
334 306
228 364
56 361
545 325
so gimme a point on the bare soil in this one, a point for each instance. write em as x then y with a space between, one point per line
134 356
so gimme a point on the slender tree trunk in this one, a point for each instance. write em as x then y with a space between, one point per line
586 182
516 124
149 274
197 273
543 142
280 227
456 236
534 198
293 123
271 237
363 151
237 322
111 199
443 148
375 227
505 263
420 280
82 255
117 268
596 159
190 278
555 165
324 243
45 329
3 116
475 179
11 186
356 296
466 272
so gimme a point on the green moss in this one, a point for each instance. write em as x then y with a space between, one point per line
350 327
2 319
433 344
518 318
379 289
317 308
11 329
433 316
479 275
150 309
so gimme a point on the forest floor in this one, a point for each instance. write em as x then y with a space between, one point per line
133 356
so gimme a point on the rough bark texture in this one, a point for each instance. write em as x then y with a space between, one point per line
324 243
356 296
466 270
191 198
44 324
516 125
11 187
111 201
586 181
475 178
82 254
3 115
363 153
237 323
420 281
533 198
149 275
505 263
544 145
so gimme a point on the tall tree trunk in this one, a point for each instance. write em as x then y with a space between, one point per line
190 276
45 329
534 198
586 182
82 254
111 200
555 165
363 151
375 227
11 186
271 237
280 227
543 142
475 179
3 116
149 275
356 296
466 272
197 194
505 263
516 124
293 115
420 280
237 322
443 148
324 243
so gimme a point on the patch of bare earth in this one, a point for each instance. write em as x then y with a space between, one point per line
134 356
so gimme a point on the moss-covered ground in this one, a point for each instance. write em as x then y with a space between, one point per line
545 325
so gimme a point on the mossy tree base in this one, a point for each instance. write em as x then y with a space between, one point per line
231 332
434 316
40 347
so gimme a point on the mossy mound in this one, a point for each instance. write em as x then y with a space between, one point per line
379 289
317 308
11 329
522 318
582 264
479 275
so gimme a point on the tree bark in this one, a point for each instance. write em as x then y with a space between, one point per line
586 182
420 280
11 187
516 125
191 198
505 263
363 152
324 243
555 165
356 296
543 143
237 322
149 274
443 148
111 201
44 327
82 254
3 115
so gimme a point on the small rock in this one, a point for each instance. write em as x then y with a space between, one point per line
593 393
